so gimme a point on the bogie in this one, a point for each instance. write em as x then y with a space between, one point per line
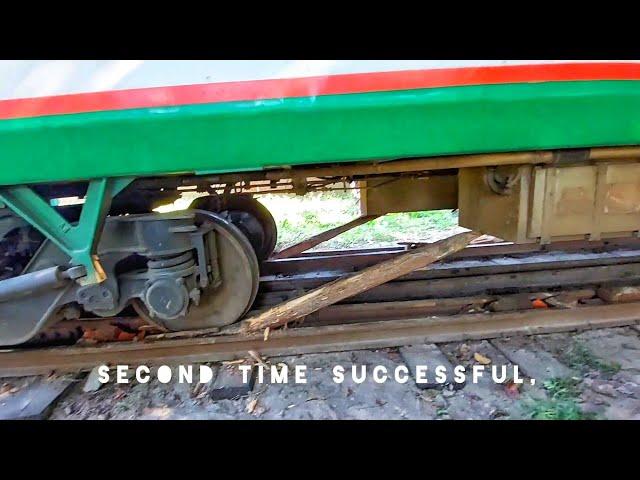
193 270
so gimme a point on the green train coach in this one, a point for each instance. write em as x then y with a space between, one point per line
528 151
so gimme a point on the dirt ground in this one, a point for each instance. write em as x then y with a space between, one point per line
593 374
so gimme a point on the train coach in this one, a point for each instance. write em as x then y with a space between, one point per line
528 151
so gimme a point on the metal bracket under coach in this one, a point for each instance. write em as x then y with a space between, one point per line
552 203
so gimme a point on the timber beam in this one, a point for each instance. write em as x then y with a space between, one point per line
309 243
334 292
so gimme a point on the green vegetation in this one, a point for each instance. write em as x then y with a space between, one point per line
561 404
556 410
563 388
582 359
563 394
299 218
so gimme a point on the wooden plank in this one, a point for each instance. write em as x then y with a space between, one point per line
346 287
309 243
597 222
547 205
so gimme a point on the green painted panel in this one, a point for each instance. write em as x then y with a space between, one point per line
240 136
78 241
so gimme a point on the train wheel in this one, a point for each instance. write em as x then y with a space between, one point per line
228 301
252 218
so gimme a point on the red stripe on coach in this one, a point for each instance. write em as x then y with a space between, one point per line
313 86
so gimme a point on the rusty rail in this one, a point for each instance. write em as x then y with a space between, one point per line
347 260
379 334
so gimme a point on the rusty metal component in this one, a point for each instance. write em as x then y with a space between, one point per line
614 153
55 336
571 157
417 165
313 178
367 312
502 180
382 195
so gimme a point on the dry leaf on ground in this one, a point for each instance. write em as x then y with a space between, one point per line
481 359
512 389
251 406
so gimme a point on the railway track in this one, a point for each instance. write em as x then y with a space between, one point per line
366 335
484 292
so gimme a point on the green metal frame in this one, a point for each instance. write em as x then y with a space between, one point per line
79 241
252 135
